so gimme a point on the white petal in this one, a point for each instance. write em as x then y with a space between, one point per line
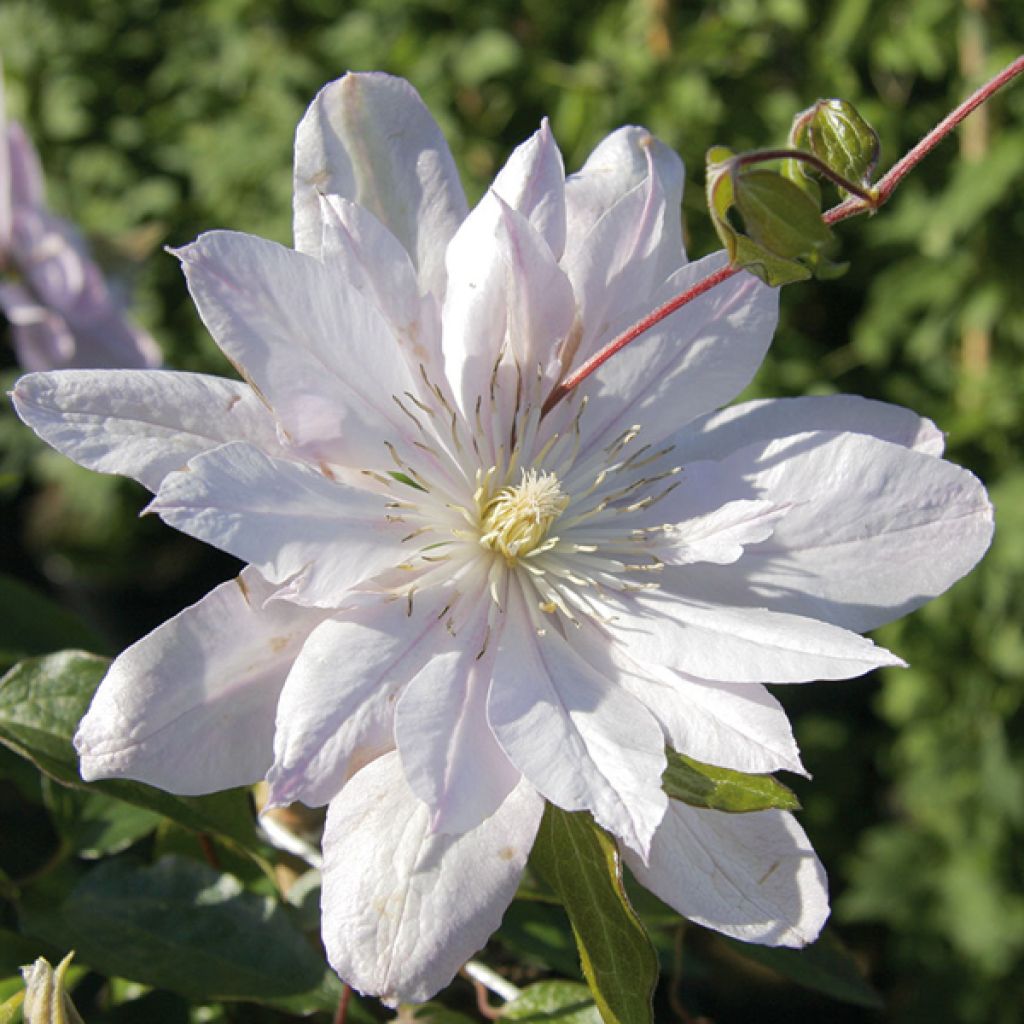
298 526
752 876
504 290
321 353
449 754
695 360
721 433
369 138
141 423
405 907
578 737
620 162
875 530
532 183
337 706
190 707
358 249
619 266
693 635
739 726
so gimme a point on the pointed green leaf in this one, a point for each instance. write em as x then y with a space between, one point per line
722 789
553 1002
179 925
581 863
838 135
781 217
41 702
825 966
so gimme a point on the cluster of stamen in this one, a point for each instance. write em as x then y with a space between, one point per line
515 521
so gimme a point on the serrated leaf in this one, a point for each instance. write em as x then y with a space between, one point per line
825 966
564 1002
722 789
182 926
581 863
41 702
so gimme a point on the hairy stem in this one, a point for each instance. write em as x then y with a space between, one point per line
848 208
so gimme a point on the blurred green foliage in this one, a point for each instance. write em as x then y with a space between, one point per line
158 120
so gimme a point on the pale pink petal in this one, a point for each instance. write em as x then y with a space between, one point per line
875 530
505 292
321 353
358 249
26 172
578 737
296 525
695 360
338 704
404 907
370 139
190 707
693 635
623 160
449 755
141 423
721 433
533 184
752 876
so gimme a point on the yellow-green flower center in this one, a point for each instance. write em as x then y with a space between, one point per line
515 520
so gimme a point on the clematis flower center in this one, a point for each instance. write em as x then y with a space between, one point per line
515 520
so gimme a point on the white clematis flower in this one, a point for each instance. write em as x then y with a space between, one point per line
456 608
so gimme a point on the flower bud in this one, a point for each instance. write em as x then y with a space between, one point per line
46 999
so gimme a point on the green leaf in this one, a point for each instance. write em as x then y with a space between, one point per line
41 702
10 1007
722 789
32 624
785 239
839 136
566 1002
539 933
93 824
179 925
582 864
825 966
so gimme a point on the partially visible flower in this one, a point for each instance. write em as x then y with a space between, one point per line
457 608
62 311
46 999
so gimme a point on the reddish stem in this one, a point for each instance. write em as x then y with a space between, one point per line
209 850
889 181
341 1013
655 317
848 208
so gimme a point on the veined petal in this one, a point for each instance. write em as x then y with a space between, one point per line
734 725
695 636
369 138
190 707
752 876
879 530
404 907
319 535
694 361
617 165
532 183
449 755
308 341
142 424
337 707
358 249
505 292
721 433
582 740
